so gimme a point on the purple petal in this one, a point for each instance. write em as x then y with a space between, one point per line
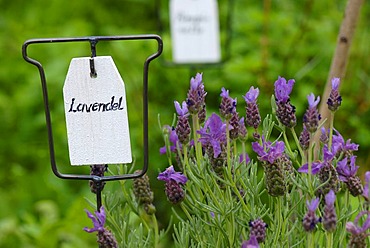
352 228
224 93
251 95
312 103
216 148
181 110
312 206
162 150
315 168
366 187
257 148
335 83
171 174
195 82
283 89
244 157
251 243
330 198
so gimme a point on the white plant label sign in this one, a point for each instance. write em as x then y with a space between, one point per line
195 31
96 113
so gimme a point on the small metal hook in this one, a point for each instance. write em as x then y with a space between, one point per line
93 54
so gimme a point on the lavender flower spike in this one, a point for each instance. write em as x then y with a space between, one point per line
173 187
228 105
310 220
347 174
329 216
170 174
253 117
334 100
312 117
285 111
358 233
105 237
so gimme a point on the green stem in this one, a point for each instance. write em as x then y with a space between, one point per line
311 240
310 183
297 142
278 219
331 127
329 238
198 148
228 145
156 232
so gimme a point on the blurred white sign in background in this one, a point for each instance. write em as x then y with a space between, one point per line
195 31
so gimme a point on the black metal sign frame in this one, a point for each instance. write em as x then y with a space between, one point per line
93 40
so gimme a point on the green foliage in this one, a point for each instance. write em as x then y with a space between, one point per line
301 40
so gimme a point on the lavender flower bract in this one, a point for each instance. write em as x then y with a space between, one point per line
105 237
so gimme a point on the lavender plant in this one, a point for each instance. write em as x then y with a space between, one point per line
287 192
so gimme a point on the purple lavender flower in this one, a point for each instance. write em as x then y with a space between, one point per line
329 216
304 138
276 165
310 219
253 118
334 100
213 134
228 105
283 89
316 166
285 112
366 188
242 130
268 152
344 146
170 174
173 187
98 221
312 117
251 243
183 126
105 236
347 173
196 94
358 233
234 123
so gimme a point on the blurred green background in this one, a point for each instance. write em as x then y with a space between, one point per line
293 39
